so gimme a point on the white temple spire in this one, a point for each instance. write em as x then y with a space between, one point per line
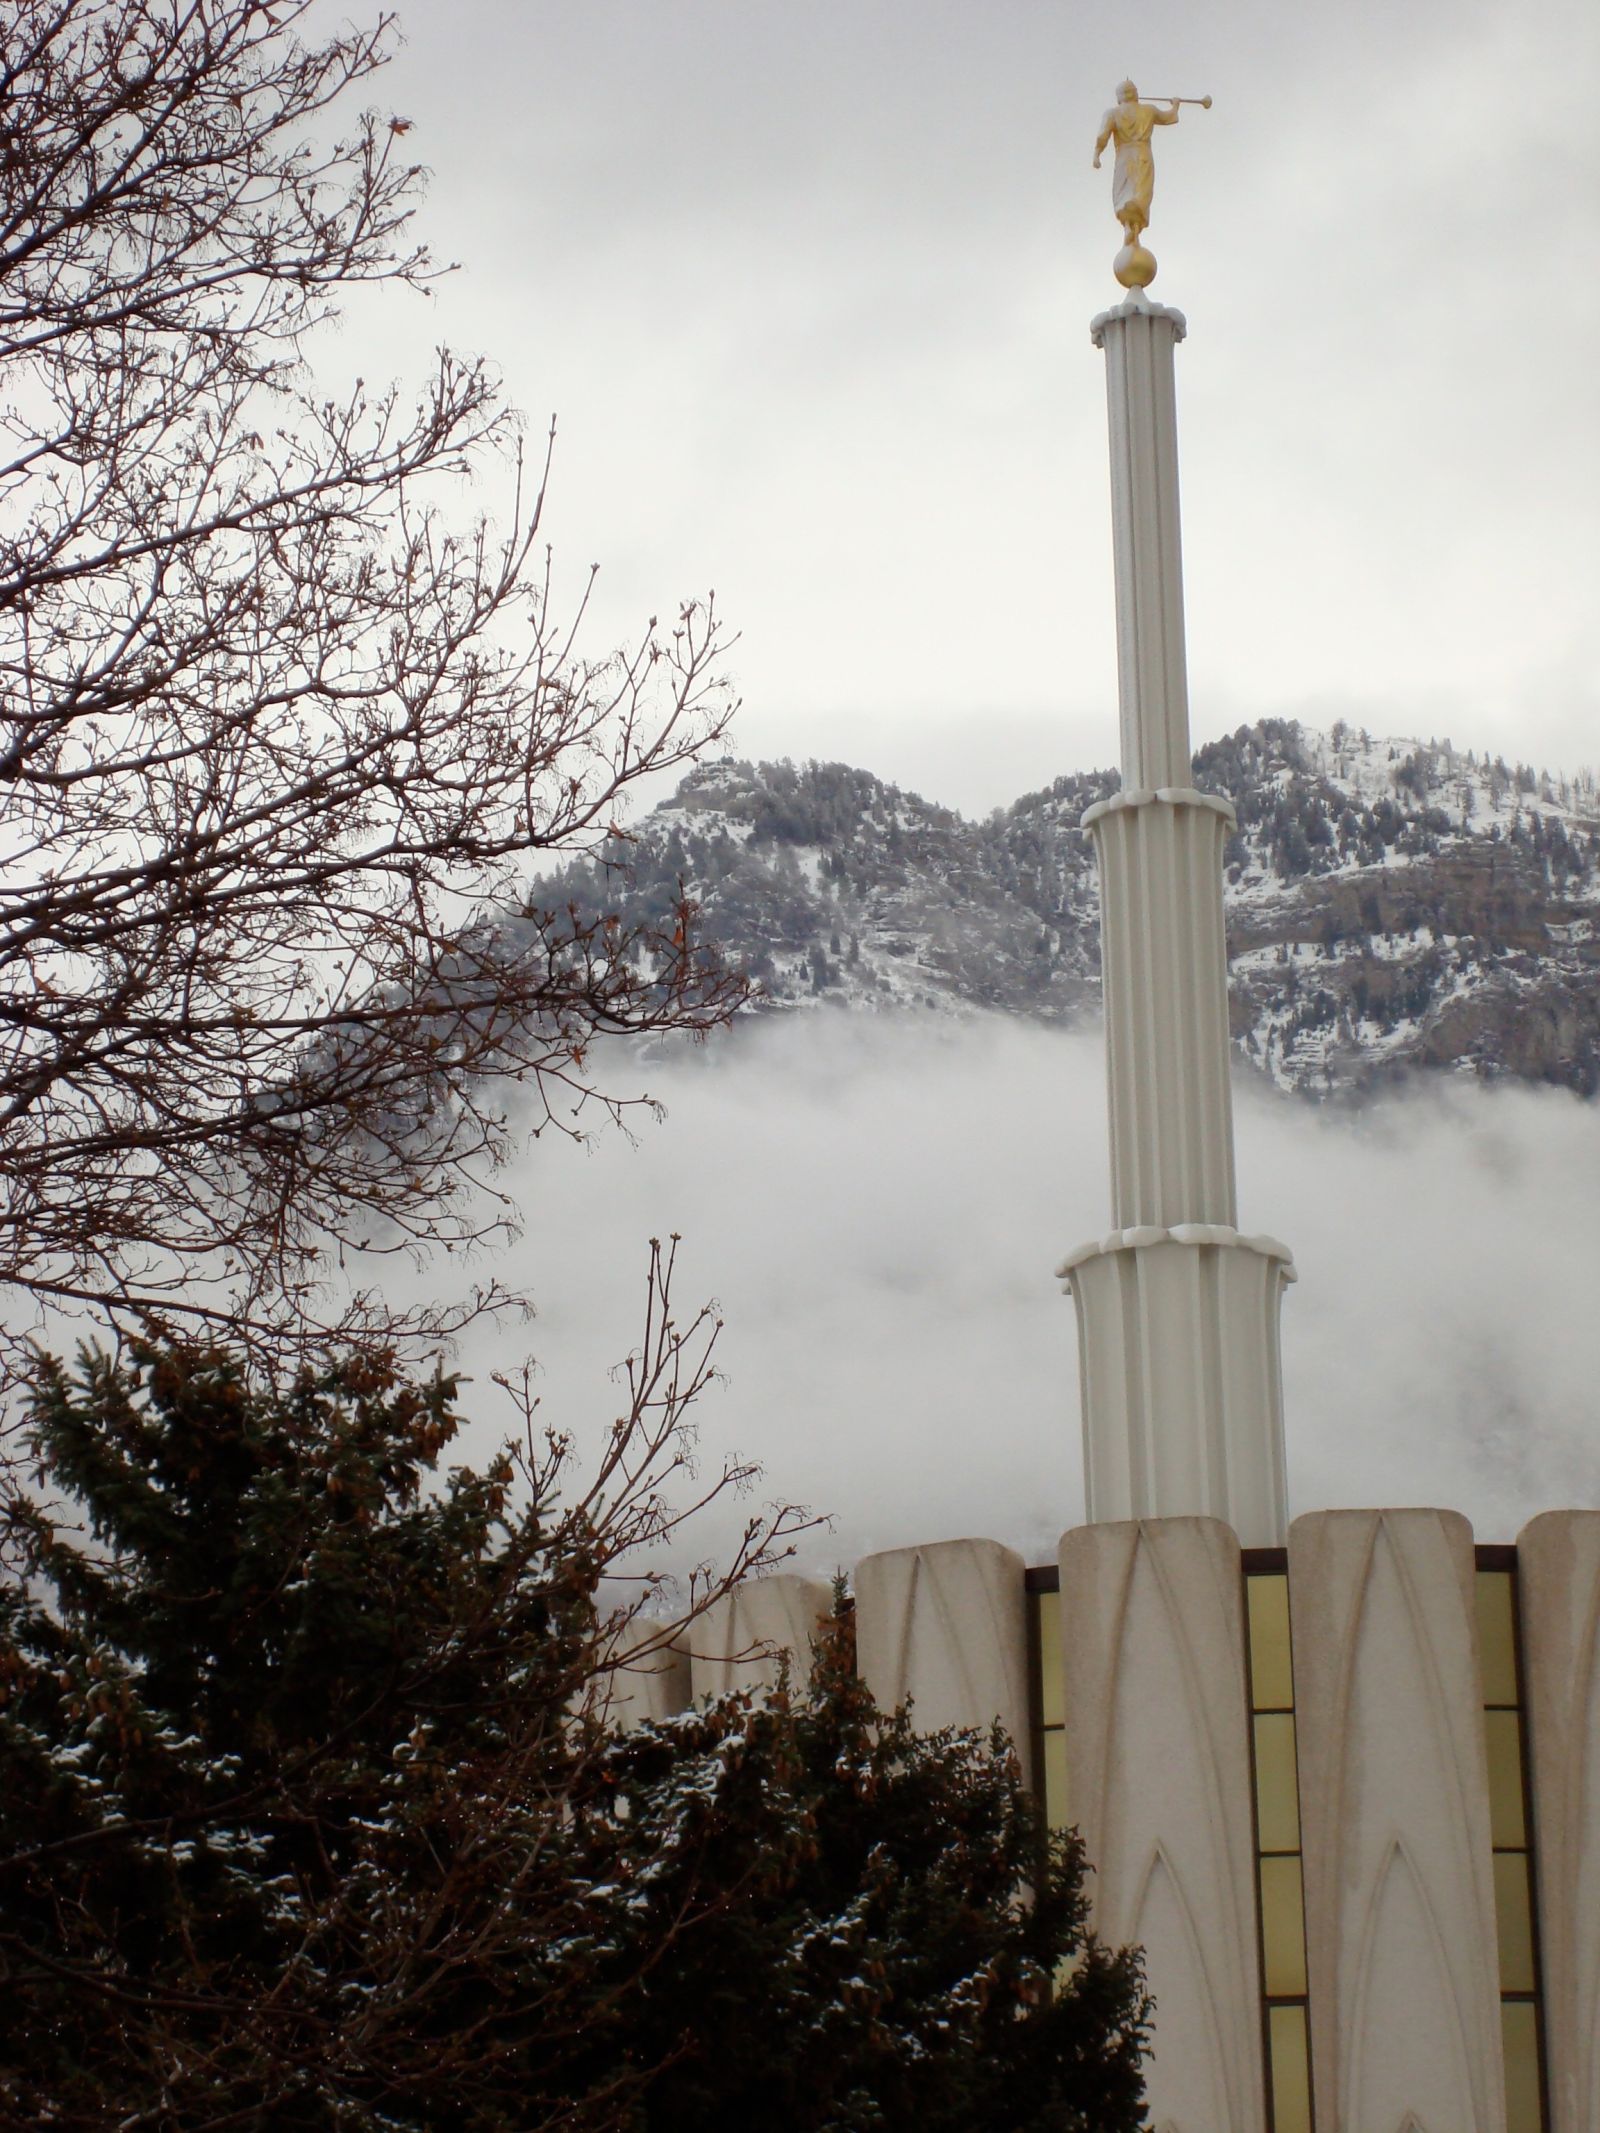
1177 1312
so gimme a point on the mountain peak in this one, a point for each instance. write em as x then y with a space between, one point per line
1393 905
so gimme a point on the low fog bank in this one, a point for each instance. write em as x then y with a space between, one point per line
877 1207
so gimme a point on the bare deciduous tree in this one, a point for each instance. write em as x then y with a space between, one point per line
277 743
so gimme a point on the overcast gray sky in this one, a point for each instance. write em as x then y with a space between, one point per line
809 288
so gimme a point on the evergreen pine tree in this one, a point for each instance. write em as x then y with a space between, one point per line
919 1959
311 1817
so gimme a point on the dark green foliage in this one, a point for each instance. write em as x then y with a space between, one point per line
280 1732
310 1819
882 1965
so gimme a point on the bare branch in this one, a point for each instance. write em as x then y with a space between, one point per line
278 743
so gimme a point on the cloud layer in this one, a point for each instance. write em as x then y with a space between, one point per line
877 1206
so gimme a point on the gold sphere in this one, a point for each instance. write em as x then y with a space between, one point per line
1134 267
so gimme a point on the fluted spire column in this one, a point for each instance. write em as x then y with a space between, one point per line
1177 1312
1152 671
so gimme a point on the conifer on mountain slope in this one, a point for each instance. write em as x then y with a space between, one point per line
1393 907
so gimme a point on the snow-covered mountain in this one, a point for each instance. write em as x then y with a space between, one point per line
1392 905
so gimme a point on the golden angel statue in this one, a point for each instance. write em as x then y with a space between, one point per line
1130 124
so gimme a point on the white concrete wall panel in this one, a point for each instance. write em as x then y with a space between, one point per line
1558 1562
946 1626
1157 1730
653 1684
1400 1917
736 1644
1182 1377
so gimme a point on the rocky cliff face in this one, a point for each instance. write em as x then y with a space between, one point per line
1393 906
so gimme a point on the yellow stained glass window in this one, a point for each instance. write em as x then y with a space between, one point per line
1283 1927
1514 1921
1508 1822
1052 1708
1055 1780
1271 1675
1497 1636
1277 1784
1290 2060
1519 2032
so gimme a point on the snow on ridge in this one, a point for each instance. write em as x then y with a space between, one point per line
1391 901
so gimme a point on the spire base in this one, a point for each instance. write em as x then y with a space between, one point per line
1181 1377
